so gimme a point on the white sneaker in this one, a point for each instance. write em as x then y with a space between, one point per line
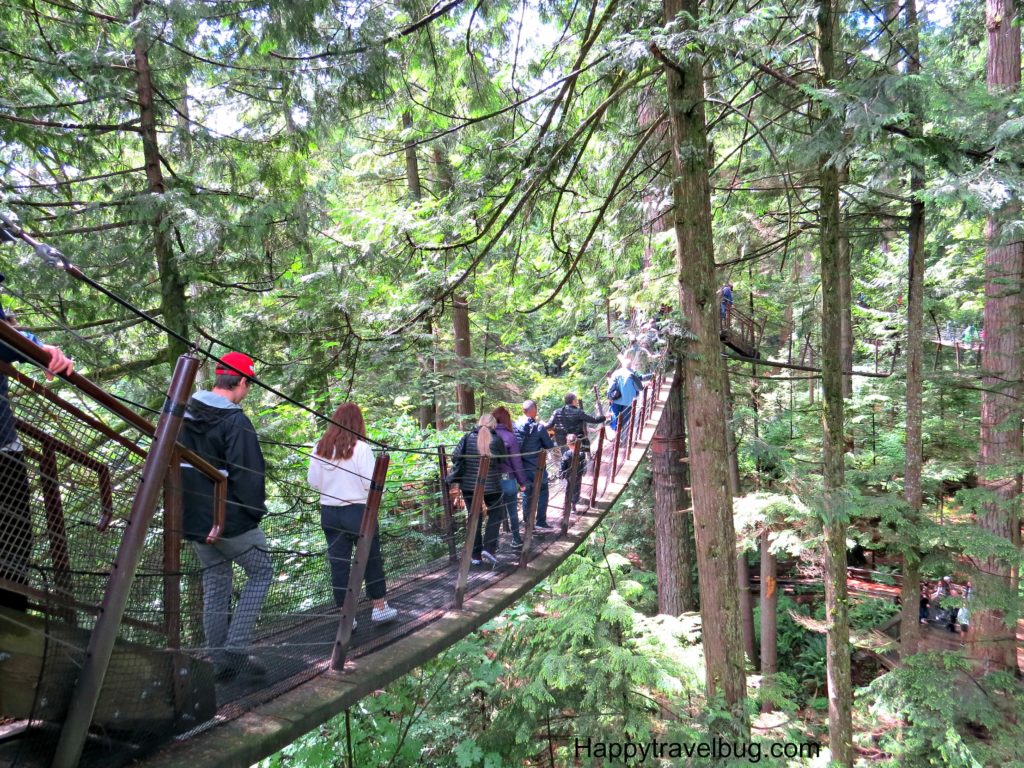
381 615
489 557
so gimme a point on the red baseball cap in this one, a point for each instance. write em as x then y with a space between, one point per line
240 364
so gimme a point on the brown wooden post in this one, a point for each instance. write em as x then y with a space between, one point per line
367 530
530 513
615 452
472 523
446 501
570 486
122 575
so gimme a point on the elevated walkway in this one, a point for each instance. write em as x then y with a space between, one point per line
88 459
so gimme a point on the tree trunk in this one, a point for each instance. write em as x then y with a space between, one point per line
769 618
412 163
846 301
742 568
173 304
460 322
427 409
992 631
706 410
673 527
910 625
428 405
837 662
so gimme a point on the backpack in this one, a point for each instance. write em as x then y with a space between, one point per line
614 393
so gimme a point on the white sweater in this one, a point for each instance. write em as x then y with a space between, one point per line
342 481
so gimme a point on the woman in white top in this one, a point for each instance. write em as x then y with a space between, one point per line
341 468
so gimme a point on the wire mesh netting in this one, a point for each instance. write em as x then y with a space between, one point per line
205 636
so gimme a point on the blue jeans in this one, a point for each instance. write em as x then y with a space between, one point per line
510 498
620 425
341 527
226 630
542 501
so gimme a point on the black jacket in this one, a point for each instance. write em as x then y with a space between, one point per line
466 462
533 438
570 420
225 437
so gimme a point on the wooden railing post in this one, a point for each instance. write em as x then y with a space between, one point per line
530 513
570 486
615 451
472 522
172 573
104 635
632 427
360 556
446 501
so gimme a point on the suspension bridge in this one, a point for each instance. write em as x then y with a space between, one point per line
108 664
105 565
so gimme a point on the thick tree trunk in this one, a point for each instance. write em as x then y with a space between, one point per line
992 633
706 410
173 304
837 662
769 618
674 548
910 626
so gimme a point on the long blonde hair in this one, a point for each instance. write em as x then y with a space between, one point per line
487 424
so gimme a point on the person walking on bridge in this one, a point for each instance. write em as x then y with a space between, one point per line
482 440
216 428
571 419
513 478
533 439
341 469
625 385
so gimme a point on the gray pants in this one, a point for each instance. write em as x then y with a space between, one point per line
249 550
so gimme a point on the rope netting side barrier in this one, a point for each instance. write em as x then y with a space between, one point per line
73 485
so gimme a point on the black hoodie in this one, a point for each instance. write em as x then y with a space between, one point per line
221 433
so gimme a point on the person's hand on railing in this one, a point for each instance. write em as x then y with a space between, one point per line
60 364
